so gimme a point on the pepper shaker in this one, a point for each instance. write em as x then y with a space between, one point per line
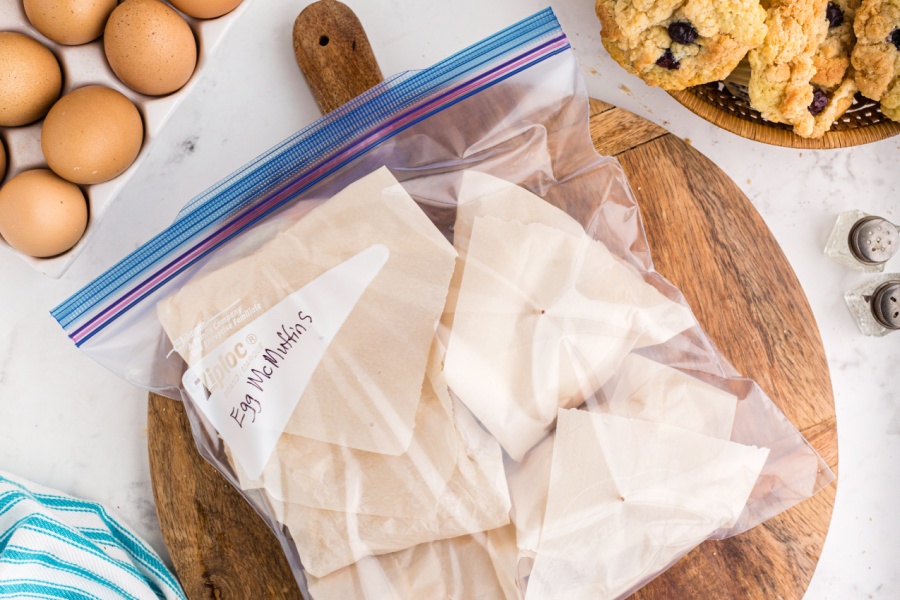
876 305
863 242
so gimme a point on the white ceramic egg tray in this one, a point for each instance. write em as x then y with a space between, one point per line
86 65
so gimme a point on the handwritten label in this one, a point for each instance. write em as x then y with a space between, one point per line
250 384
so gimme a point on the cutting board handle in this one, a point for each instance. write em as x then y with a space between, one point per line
334 54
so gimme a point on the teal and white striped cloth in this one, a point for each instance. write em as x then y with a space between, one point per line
56 546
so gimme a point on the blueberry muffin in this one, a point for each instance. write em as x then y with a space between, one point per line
876 56
783 69
676 44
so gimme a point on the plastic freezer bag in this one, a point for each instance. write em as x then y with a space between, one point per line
417 336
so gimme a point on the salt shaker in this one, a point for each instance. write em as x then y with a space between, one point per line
876 305
863 242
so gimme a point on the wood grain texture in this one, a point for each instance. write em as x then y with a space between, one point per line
334 54
220 547
707 238
616 130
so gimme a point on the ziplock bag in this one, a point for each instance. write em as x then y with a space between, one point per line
424 338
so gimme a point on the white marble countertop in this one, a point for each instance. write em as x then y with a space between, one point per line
67 423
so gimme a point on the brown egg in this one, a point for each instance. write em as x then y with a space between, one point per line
91 135
2 161
205 9
40 214
30 79
70 22
150 47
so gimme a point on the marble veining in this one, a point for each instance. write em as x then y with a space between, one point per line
67 423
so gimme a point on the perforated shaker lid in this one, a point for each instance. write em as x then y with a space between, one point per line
886 304
874 240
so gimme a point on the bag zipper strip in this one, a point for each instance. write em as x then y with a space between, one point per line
68 312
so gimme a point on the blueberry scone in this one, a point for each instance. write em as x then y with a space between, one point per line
876 56
835 80
832 59
783 69
676 44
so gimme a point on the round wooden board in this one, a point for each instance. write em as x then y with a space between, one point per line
707 239
705 236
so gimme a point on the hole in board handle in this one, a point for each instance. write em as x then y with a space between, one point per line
323 40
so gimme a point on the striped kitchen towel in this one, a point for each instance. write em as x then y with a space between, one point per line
56 546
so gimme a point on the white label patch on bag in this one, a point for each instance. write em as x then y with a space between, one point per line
250 384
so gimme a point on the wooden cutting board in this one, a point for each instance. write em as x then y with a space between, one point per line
706 238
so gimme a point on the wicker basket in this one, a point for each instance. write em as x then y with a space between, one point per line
861 124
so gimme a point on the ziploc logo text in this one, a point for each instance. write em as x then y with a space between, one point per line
214 374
